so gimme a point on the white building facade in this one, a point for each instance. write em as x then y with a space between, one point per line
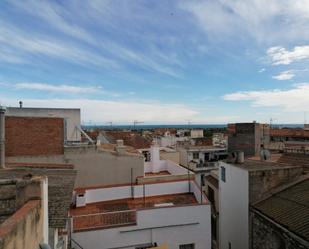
166 219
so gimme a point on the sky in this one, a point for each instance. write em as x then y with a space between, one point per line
158 61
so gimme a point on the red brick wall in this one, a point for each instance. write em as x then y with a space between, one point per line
31 136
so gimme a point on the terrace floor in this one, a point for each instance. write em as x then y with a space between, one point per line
132 204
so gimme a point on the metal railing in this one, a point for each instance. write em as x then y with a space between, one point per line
103 220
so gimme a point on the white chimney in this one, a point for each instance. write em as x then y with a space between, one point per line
120 148
155 158
2 137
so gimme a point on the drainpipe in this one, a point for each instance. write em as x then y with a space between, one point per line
2 137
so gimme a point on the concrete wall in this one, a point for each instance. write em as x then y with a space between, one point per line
233 208
174 226
172 156
71 116
24 229
95 167
26 136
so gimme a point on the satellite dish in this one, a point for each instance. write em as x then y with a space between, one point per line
44 246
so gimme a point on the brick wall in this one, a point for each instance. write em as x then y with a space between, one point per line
31 136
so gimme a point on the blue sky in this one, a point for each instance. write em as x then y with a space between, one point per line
158 61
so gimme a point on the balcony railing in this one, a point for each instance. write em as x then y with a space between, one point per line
103 220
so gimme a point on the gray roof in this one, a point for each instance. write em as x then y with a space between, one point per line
60 189
289 208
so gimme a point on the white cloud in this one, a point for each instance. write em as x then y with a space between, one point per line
262 70
282 56
265 21
286 75
294 99
20 43
101 111
56 88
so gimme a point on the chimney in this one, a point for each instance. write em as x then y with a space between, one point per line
20 104
120 148
240 157
2 137
155 158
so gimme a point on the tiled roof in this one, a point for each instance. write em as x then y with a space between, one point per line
129 139
295 159
289 208
60 189
289 133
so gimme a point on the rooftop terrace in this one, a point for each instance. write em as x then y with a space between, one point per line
110 207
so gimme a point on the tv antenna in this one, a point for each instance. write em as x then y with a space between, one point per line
135 122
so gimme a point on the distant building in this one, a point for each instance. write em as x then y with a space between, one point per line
196 133
175 214
242 185
248 137
199 157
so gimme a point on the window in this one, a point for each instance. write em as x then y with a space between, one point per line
223 174
186 246
196 155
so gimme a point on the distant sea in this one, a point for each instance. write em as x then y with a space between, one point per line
192 126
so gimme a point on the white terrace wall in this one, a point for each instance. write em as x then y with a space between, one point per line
174 226
114 193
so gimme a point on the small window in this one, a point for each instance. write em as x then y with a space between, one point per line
223 174
196 155
186 246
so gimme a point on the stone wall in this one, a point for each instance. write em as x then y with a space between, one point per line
263 181
266 234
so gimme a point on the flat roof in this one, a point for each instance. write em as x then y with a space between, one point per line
40 108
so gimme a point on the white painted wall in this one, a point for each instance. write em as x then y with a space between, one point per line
234 207
114 193
174 226
164 165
